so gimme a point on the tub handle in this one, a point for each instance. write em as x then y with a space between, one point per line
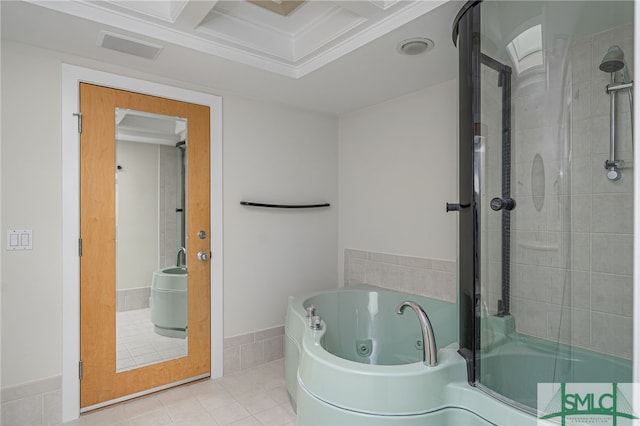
315 323
311 311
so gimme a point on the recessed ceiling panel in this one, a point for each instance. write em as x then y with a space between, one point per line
283 8
242 34
312 35
167 10
289 38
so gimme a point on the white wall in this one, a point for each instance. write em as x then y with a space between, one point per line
137 214
265 259
398 168
31 199
276 155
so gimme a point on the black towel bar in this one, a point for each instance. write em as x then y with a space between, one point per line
284 206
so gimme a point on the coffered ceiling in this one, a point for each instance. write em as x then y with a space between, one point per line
325 55
291 38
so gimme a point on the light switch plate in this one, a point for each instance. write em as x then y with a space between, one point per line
19 239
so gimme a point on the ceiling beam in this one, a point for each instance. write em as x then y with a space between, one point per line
281 7
366 9
194 13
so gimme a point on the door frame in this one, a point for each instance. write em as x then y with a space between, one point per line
72 76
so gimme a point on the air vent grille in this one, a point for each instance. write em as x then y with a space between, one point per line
131 46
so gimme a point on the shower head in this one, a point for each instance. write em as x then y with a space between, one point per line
613 61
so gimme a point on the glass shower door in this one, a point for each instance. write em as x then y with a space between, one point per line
552 226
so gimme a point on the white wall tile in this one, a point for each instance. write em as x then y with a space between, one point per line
25 411
273 348
231 360
612 253
581 328
251 355
611 334
52 408
268 333
612 213
253 349
559 324
242 339
612 294
531 316
581 289
426 277
581 60
581 220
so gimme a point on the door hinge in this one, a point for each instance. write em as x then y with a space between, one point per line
79 115
80 247
80 369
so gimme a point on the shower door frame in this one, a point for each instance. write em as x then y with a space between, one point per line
504 81
468 82
469 186
466 32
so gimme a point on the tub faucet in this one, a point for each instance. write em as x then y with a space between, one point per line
430 352
181 251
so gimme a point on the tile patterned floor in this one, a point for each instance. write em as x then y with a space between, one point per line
253 397
139 345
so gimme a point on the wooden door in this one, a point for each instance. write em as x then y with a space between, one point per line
100 381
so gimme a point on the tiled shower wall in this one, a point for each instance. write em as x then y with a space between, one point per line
416 275
169 200
572 254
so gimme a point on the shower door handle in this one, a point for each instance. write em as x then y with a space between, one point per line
455 207
502 203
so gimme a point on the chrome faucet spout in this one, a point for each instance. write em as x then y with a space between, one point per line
181 259
430 351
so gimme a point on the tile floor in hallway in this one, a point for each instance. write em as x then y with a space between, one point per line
138 344
257 396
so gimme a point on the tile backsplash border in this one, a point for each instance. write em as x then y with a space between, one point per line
40 402
132 299
253 349
426 277
37 403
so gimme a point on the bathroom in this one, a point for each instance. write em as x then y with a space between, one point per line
387 184
151 283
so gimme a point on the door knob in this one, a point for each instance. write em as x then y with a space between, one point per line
203 255
500 203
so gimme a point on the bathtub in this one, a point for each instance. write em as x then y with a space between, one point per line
546 362
365 365
169 302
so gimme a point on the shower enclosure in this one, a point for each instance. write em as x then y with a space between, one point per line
546 203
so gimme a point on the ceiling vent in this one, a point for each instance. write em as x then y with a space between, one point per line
415 46
132 46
